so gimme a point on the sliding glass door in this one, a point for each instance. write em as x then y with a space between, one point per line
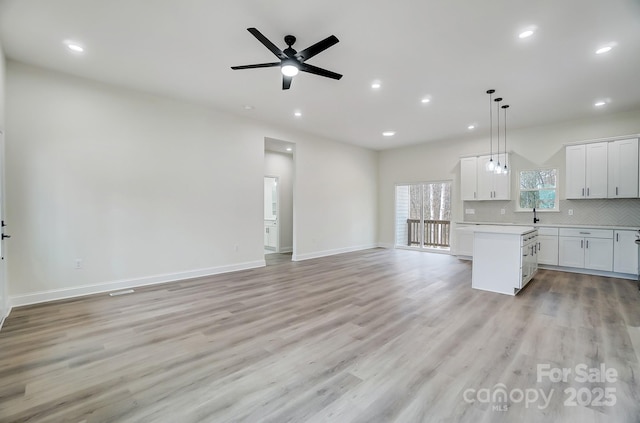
423 215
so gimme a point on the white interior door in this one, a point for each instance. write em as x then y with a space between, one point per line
4 303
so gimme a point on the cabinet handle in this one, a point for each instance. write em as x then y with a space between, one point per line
616 190
587 191
587 243
583 192
617 235
585 233
581 243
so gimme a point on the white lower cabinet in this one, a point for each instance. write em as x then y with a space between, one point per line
604 250
586 248
270 234
598 254
548 246
625 252
464 242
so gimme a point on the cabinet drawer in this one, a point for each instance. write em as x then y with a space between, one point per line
587 233
548 231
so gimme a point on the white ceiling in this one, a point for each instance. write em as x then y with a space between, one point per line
449 50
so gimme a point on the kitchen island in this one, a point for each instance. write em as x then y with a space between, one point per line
504 257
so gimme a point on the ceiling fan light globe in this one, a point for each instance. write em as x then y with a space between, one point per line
289 70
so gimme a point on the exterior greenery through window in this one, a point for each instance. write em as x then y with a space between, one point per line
423 215
539 189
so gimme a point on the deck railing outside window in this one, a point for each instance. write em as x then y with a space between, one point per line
436 232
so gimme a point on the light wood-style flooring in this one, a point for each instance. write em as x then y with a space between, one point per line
371 336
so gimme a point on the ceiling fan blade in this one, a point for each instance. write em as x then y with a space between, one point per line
259 65
268 44
319 71
318 47
286 82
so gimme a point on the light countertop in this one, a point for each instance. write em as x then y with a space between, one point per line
552 225
499 229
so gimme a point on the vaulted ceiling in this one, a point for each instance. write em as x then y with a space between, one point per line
447 51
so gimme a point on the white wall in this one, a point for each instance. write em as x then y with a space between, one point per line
144 189
540 146
281 165
2 86
3 285
335 198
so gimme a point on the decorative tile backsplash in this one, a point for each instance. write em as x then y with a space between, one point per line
614 212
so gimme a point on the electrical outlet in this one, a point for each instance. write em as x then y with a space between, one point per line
470 211
502 211
78 263
570 211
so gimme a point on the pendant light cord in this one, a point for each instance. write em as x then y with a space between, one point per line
505 107
490 92
498 100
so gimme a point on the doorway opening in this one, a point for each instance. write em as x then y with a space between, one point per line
278 229
271 238
423 215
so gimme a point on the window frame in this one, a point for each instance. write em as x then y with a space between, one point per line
556 207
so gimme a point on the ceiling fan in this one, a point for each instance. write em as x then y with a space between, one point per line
291 61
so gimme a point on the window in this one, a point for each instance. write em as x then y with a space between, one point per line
423 214
539 189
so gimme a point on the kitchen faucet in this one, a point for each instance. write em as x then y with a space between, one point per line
535 219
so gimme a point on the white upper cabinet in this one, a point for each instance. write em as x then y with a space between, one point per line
596 180
576 170
491 186
586 170
623 169
468 178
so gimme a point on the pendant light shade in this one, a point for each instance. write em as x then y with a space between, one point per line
490 166
494 166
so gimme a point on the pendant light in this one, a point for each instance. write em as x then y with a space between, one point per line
498 169
490 166
505 169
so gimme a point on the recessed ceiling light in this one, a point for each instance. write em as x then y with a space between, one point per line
289 149
470 127
376 84
425 100
599 103
248 107
74 46
297 114
388 133
605 48
526 34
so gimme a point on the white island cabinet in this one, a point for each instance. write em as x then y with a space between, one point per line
504 257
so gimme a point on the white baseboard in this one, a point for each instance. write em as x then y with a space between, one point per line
387 245
60 294
3 318
286 249
589 272
326 253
